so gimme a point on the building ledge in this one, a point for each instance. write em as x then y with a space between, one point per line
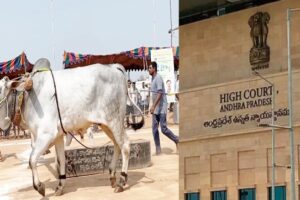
227 134
246 80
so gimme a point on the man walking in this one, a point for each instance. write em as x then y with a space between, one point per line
159 108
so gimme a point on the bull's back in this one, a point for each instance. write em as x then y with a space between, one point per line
84 90
101 82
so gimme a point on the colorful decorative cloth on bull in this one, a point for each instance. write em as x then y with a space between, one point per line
73 58
14 64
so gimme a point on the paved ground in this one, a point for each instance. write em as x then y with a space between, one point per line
157 182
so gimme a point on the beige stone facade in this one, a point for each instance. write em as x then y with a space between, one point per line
222 148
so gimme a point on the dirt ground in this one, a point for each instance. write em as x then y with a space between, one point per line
157 182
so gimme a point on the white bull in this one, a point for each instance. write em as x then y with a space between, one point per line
91 95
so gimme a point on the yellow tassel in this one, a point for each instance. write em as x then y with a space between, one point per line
17 118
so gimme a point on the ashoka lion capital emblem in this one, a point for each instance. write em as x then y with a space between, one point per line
260 51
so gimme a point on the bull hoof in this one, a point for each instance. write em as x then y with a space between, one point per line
40 188
113 182
119 189
59 191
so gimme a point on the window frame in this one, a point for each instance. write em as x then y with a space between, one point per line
254 189
218 191
276 187
187 197
200 12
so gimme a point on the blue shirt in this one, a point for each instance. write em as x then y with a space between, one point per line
158 86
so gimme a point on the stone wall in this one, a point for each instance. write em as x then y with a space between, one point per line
216 50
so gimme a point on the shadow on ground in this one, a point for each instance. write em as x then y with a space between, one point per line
5 156
168 151
98 180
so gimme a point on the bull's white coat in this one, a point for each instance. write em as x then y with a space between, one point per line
94 94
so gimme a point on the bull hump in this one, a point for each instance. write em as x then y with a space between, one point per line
41 63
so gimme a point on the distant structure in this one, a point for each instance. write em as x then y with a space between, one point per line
136 59
15 67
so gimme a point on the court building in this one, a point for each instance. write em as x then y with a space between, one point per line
234 70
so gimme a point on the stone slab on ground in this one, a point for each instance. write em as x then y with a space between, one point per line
82 161
156 182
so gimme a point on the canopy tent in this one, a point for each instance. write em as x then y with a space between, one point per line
15 67
136 59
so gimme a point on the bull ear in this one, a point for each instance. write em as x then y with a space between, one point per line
17 85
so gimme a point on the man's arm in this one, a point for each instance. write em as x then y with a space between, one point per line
157 100
159 85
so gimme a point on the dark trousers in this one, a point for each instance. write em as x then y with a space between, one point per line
130 110
162 120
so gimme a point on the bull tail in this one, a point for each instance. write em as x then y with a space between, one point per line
137 125
140 124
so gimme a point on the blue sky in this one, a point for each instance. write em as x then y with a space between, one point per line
90 26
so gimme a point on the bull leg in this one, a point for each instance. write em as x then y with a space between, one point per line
124 177
124 144
61 160
113 164
32 141
69 139
41 145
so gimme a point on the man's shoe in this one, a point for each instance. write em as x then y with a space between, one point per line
158 151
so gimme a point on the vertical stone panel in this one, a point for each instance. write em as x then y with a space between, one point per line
246 167
218 170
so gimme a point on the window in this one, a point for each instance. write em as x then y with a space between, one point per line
195 10
219 195
247 194
192 196
280 193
